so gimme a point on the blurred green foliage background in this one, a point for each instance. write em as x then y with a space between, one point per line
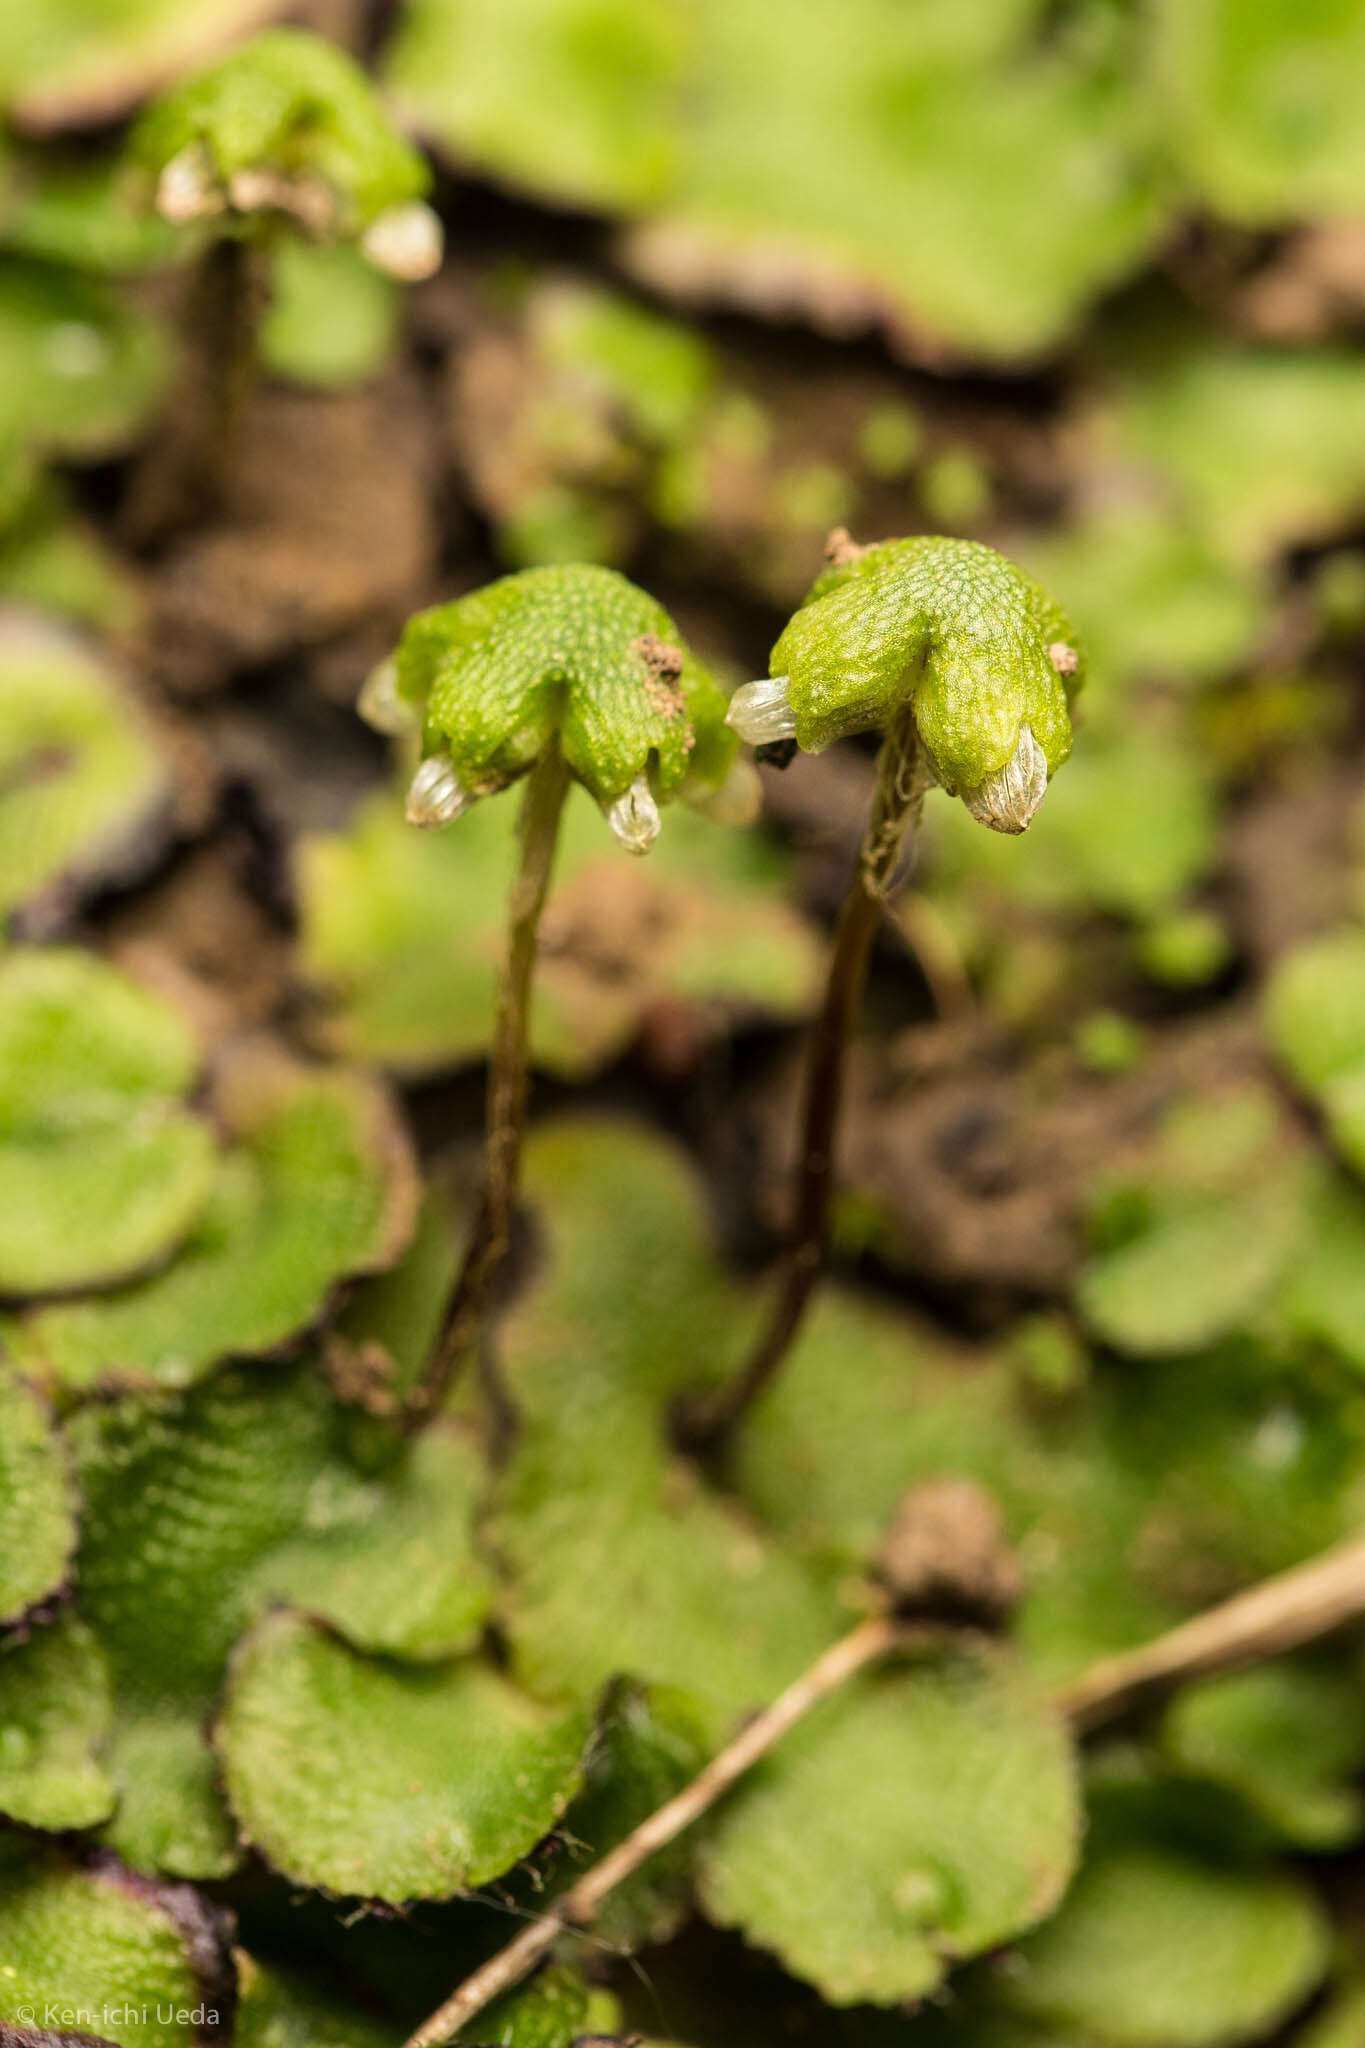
1084 279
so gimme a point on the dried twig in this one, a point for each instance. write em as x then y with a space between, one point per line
1292 1608
863 1645
1283 1612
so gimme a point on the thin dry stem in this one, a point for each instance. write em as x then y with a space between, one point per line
863 1645
1292 1608
705 1421
1282 1613
467 1308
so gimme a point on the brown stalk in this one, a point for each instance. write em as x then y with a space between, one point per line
863 1645
705 1421
467 1307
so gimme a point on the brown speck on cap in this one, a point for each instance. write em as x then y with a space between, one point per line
663 664
840 547
660 655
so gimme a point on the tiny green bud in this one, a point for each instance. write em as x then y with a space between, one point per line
571 654
988 661
286 123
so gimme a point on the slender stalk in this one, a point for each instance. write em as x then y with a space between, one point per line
183 474
863 1645
1282 1613
467 1308
705 1421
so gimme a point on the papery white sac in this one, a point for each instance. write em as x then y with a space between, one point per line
1007 800
188 188
380 705
634 817
762 713
436 796
405 241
